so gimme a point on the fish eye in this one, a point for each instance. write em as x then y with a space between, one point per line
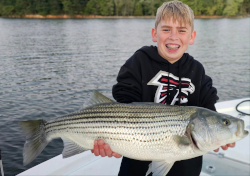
226 122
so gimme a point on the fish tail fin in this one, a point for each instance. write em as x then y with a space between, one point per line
35 139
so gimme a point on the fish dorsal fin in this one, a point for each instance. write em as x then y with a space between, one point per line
96 98
160 168
71 148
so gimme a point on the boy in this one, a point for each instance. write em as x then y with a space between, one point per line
164 74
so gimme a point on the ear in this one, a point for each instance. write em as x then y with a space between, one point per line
193 35
154 35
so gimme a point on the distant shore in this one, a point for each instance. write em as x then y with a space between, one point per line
105 17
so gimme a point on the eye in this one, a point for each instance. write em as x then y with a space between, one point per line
226 122
182 31
166 30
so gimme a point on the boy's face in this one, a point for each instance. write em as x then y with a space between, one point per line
172 39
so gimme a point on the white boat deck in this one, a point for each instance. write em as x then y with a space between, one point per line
236 161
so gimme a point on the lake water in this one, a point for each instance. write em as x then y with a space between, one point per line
48 68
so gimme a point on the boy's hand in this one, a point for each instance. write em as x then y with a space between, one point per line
100 148
225 147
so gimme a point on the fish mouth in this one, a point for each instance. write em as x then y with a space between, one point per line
245 133
240 129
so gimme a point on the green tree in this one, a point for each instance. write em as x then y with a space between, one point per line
78 6
22 7
148 7
1 6
67 6
55 7
31 7
118 5
42 7
92 8
127 7
232 7
8 2
245 7
19 7
7 10
199 7
138 9
220 4
211 7
106 7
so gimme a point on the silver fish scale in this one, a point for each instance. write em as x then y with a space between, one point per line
143 131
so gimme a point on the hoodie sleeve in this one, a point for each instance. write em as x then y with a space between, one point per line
128 88
208 94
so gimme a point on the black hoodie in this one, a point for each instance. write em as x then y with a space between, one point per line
144 78
147 77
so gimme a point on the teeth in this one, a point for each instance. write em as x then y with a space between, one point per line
173 47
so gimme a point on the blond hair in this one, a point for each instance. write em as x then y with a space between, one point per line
177 11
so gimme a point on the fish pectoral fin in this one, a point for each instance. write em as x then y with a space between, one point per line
182 141
96 98
71 148
160 168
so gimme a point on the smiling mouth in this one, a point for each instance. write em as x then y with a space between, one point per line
173 46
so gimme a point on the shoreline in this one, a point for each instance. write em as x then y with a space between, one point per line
36 16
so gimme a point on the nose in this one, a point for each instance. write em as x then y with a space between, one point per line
173 35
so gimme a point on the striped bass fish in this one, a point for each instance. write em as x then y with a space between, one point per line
142 131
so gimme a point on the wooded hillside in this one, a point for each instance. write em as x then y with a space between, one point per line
118 7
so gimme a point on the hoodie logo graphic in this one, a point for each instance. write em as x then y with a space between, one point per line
161 80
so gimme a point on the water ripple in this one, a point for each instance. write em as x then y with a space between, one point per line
49 67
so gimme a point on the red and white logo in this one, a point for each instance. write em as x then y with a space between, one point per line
161 80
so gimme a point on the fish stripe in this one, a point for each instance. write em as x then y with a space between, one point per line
114 115
109 127
84 121
111 133
117 115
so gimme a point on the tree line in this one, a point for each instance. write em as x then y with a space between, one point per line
118 7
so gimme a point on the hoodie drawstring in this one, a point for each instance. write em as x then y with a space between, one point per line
179 74
169 100
179 103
